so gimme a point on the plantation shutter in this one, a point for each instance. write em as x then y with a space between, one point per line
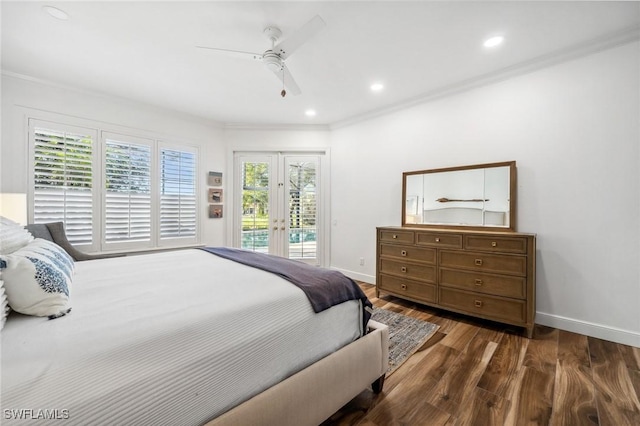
127 198
113 192
303 207
177 193
63 179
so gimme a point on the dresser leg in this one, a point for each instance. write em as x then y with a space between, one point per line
530 331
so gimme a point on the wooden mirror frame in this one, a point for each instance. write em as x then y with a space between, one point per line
512 197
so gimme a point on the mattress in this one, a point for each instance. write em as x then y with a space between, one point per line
169 338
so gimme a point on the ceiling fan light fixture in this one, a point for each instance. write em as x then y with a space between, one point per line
310 113
272 61
56 13
494 41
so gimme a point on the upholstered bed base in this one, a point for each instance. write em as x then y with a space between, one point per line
312 395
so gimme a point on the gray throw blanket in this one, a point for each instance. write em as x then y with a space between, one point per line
324 287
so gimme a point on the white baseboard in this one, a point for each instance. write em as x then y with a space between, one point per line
600 331
371 279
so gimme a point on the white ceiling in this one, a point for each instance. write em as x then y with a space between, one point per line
145 51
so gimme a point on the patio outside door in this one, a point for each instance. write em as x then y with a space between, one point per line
279 204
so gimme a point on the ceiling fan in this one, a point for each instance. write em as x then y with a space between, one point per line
274 58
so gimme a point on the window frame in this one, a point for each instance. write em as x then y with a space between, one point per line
99 132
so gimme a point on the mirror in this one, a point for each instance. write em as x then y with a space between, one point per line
479 196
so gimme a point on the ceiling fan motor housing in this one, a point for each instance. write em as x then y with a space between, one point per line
272 61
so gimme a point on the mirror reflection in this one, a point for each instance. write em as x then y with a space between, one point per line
477 196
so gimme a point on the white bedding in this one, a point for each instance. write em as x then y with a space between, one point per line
169 338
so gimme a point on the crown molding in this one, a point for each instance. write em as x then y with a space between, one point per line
277 126
49 83
589 47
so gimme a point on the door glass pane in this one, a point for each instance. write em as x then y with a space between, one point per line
255 206
302 202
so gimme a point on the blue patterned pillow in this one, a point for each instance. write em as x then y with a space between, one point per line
37 279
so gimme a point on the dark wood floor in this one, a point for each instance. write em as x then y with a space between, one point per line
475 372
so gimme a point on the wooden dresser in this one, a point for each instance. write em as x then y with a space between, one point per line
485 274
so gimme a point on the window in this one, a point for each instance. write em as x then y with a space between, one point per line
177 193
116 191
63 179
127 194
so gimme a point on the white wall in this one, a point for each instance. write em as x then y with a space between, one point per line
22 98
573 130
276 139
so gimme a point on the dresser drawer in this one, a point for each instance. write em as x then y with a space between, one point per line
402 287
497 285
483 305
499 244
506 264
408 270
437 239
421 254
393 236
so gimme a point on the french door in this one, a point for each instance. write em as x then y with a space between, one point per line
278 204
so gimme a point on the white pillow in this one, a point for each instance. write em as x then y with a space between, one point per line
4 306
37 279
13 236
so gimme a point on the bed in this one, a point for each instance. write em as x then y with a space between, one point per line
187 337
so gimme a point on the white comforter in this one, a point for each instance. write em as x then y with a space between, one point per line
169 338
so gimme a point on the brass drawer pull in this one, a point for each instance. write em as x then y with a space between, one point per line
403 269
437 240
478 303
478 262
478 282
494 244
395 236
403 286
403 252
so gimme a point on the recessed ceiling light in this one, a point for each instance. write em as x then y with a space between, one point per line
310 113
376 87
493 41
56 13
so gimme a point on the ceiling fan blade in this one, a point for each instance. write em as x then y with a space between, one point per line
236 53
291 43
289 82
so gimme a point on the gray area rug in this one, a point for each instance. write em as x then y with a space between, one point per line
406 335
